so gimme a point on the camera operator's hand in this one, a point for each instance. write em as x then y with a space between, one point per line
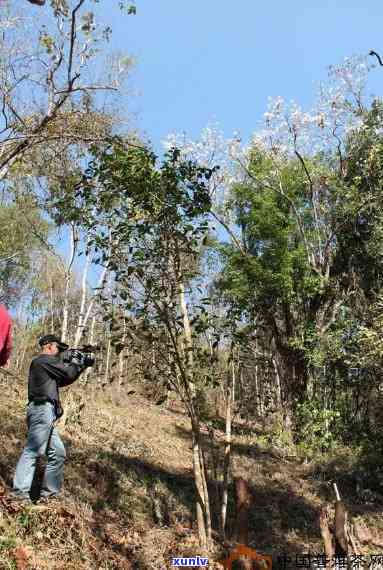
77 358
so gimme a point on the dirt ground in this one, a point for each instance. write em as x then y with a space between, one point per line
128 493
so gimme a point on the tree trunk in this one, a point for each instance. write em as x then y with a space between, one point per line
187 330
203 502
200 502
324 525
81 318
278 385
52 306
227 455
121 358
107 362
206 495
84 322
293 375
20 358
258 402
67 278
243 504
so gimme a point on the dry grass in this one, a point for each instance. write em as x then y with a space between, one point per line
128 499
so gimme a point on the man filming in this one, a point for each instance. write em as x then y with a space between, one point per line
48 372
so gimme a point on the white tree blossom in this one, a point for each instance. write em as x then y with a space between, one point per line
286 132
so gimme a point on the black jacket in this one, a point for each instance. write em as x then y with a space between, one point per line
46 374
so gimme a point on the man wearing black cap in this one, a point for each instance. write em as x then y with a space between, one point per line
46 374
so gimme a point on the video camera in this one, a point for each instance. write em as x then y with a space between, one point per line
83 355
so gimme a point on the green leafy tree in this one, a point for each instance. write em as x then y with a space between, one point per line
311 236
22 230
149 223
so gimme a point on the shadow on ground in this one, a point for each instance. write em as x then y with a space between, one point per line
358 478
123 495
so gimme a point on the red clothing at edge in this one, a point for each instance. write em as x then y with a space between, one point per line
5 336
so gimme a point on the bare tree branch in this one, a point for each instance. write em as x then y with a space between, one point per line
372 52
231 234
72 40
89 88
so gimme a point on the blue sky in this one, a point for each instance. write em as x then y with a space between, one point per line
218 61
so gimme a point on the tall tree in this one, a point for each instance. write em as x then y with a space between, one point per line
156 217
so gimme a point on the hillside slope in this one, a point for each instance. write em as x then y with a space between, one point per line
128 492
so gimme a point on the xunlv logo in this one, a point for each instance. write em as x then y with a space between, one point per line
194 561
